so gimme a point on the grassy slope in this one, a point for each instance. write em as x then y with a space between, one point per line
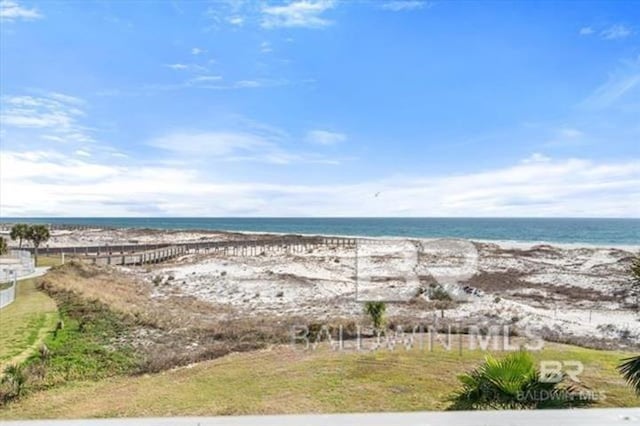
51 260
25 323
84 348
282 380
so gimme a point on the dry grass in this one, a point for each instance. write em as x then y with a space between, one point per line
169 331
95 283
130 296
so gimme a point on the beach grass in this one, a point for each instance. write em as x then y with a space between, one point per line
283 380
25 323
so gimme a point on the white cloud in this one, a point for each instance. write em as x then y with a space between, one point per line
570 133
23 166
236 20
12 11
248 83
265 47
178 66
230 12
222 146
55 115
262 145
404 5
536 158
205 78
214 82
197 51
324 137
301 13
586 31
194 68
617 31
621 84
48 183
61 97
210 144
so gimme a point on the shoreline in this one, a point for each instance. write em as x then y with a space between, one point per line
506 244
509 235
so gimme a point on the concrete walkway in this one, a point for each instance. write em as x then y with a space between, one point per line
581 417
40 271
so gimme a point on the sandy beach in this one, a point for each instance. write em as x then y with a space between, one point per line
571 292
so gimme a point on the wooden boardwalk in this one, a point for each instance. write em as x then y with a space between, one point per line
138 258
138 254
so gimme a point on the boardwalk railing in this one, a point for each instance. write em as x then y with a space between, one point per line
238 247
139 258
142 254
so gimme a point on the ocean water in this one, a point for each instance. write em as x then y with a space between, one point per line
565 230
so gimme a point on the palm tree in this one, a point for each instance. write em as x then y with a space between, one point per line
4 248
512 382
376 311
630 367
19 232
630 370
37 234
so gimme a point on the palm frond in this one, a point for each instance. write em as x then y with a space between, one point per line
630 370
513 382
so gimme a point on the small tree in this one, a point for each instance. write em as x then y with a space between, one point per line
19 232
37 234
376 311
4 248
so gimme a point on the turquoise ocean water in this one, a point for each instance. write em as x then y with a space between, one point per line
565 230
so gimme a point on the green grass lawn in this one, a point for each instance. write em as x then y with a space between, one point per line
283 380
25 322
51 260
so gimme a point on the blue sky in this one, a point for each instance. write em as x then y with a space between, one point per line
320 108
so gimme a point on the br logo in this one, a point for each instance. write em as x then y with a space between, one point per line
555 371
396 270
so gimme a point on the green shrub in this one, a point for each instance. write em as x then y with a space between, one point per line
14 383
376 311
436 292
513 382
